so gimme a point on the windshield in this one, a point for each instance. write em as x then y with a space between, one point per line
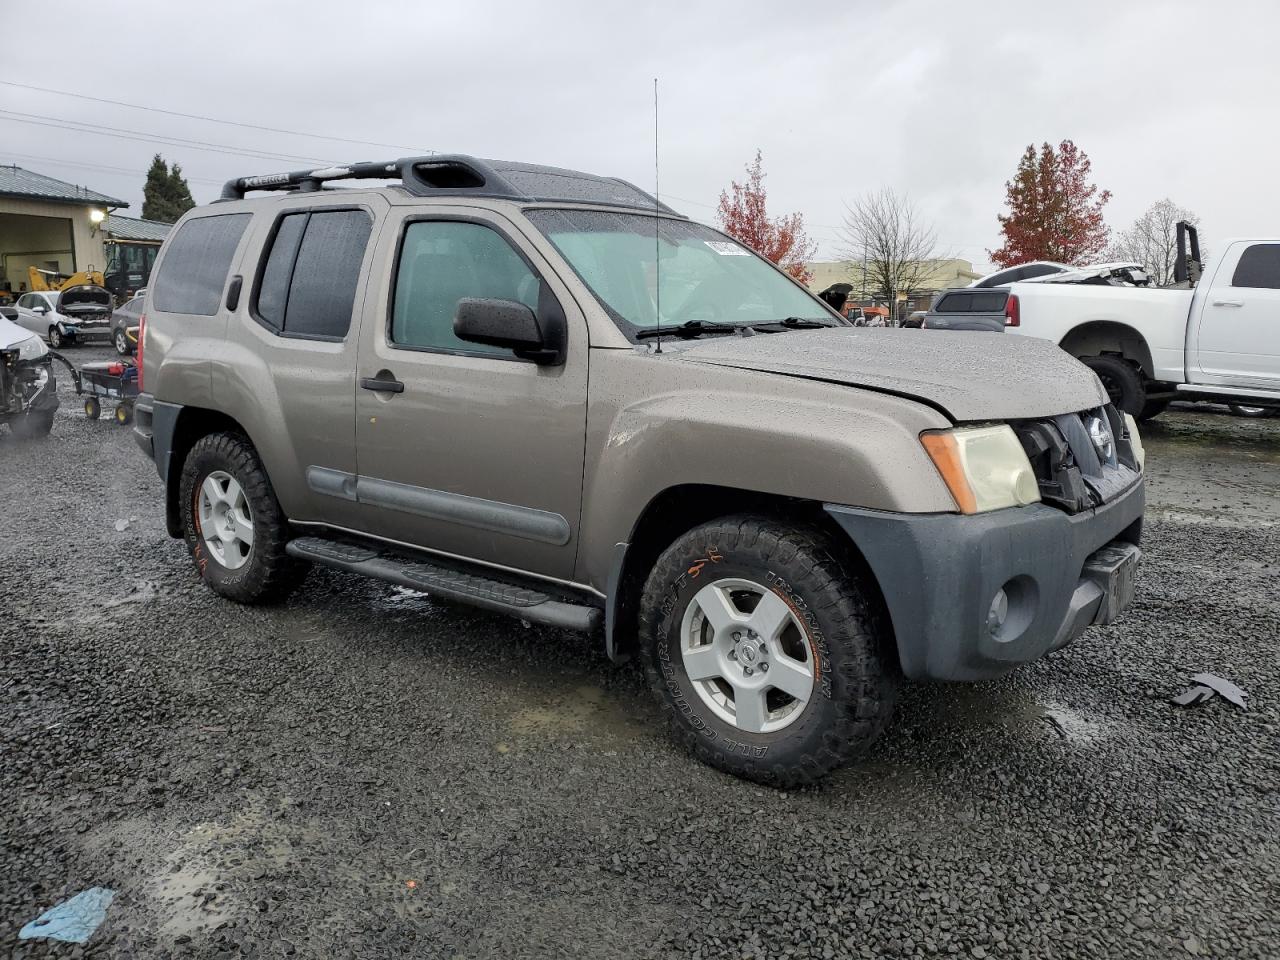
705 276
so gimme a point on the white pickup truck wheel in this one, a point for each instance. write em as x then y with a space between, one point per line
1122 382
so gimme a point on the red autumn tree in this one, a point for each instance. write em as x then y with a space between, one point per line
1055 212
743 215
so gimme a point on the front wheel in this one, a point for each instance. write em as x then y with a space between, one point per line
122 343
771 660
57 339
233 525
1122 382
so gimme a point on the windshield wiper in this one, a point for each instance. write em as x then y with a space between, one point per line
687 330
792 323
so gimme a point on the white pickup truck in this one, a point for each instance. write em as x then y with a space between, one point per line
1217 338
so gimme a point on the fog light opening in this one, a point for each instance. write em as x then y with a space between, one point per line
1012 609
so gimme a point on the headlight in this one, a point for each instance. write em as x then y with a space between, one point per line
985 468
32 348
1135 441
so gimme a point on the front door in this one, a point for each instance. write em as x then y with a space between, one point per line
1238 339
480 453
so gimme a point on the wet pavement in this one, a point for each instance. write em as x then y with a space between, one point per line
367 772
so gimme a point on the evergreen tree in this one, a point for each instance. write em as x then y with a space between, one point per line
156 190
165 195
179 193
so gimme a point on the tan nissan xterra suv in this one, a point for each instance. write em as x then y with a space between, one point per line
547 394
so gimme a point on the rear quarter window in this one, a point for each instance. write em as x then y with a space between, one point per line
196 261
1259 267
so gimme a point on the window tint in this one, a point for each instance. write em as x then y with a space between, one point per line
196 262
988 302
955 303
441 262
309 279
1259 266
273 292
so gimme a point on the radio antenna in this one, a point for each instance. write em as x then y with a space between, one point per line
657 250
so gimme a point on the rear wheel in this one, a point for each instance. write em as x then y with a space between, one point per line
768 656
124 414
92 408
122 342
1122 382
233 524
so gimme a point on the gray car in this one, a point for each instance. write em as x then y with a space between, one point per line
544 393
986 310
125 321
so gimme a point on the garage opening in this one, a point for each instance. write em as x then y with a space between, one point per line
46 243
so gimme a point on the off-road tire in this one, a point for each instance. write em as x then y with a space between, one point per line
848 638
1123 382
32 426
269 574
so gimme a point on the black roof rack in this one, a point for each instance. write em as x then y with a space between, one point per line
458 175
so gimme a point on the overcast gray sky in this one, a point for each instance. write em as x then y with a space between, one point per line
936 99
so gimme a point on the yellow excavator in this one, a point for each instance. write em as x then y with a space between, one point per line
53 281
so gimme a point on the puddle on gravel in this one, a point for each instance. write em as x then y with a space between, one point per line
1021 713
584 710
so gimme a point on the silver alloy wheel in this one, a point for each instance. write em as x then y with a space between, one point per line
747 655
226 523
122 343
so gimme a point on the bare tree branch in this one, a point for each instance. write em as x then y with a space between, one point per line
1153 240
883 231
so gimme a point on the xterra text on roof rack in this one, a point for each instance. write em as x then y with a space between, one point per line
451 383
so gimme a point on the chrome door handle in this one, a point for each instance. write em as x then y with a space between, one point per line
1228 303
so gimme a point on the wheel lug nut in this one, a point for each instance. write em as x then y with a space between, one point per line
733 654
764 668
737 637
748 671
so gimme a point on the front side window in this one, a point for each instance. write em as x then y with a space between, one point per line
1259 267
197 260
695 273
444 261
312 267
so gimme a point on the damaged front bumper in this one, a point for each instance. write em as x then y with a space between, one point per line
26 386
972 597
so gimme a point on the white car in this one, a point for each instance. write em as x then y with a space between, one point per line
28 390
69 317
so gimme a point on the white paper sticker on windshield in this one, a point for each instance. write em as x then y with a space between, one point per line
726 248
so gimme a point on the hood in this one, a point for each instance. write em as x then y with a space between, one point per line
969 376
11 334
85 299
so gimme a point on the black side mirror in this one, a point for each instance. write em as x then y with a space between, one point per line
505 323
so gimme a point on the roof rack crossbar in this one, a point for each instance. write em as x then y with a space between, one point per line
459 175
307 180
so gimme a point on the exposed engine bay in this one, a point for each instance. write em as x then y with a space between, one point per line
28 387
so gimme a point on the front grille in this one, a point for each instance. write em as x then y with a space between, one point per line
1075 466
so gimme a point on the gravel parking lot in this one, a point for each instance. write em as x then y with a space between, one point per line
367 772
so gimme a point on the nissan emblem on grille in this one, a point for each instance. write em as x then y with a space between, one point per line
1100 434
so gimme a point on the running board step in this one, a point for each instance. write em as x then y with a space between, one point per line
498 595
